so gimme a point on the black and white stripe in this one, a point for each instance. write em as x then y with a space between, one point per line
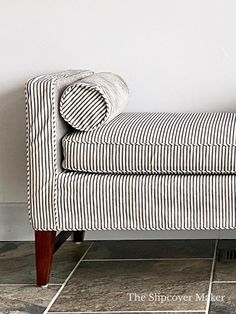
67 200
170 143
94 100
44 131
145 202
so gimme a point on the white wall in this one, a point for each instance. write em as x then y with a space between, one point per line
176 55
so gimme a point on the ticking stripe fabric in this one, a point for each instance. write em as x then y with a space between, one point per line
94 100
45 128
68 200
145 202
169 143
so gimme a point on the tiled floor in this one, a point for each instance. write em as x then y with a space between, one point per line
121 277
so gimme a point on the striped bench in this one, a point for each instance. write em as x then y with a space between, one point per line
140 171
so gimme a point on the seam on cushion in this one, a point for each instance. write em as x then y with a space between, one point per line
27 151
55 175
152 172
144 229
98 89
147 144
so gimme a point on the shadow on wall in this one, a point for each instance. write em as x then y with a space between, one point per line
12 145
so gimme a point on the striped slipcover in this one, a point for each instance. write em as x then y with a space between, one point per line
93 100
73 200
145 202
44 130
165 143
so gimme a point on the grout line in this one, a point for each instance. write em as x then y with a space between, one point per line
224 281
27 284
17 284
211 279
123 312
147 259
66 281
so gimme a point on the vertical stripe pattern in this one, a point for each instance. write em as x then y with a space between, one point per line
68 200
146 202
165 143
94 100
44 132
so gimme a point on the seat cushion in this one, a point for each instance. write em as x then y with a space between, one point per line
156 143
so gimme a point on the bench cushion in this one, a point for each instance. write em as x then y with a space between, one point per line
181 143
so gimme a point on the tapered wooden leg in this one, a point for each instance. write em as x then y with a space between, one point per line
44 245
78 236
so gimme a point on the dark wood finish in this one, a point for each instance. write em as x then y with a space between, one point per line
78 236
45 246
61 238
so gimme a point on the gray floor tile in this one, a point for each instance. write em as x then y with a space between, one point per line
17 261
151 249
105 286
25 299
226 270
226 303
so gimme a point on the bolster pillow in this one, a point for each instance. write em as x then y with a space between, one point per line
94 100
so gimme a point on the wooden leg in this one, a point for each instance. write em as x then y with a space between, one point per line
78 236
44 245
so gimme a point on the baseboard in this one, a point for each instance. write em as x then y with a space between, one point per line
14 226
14 222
